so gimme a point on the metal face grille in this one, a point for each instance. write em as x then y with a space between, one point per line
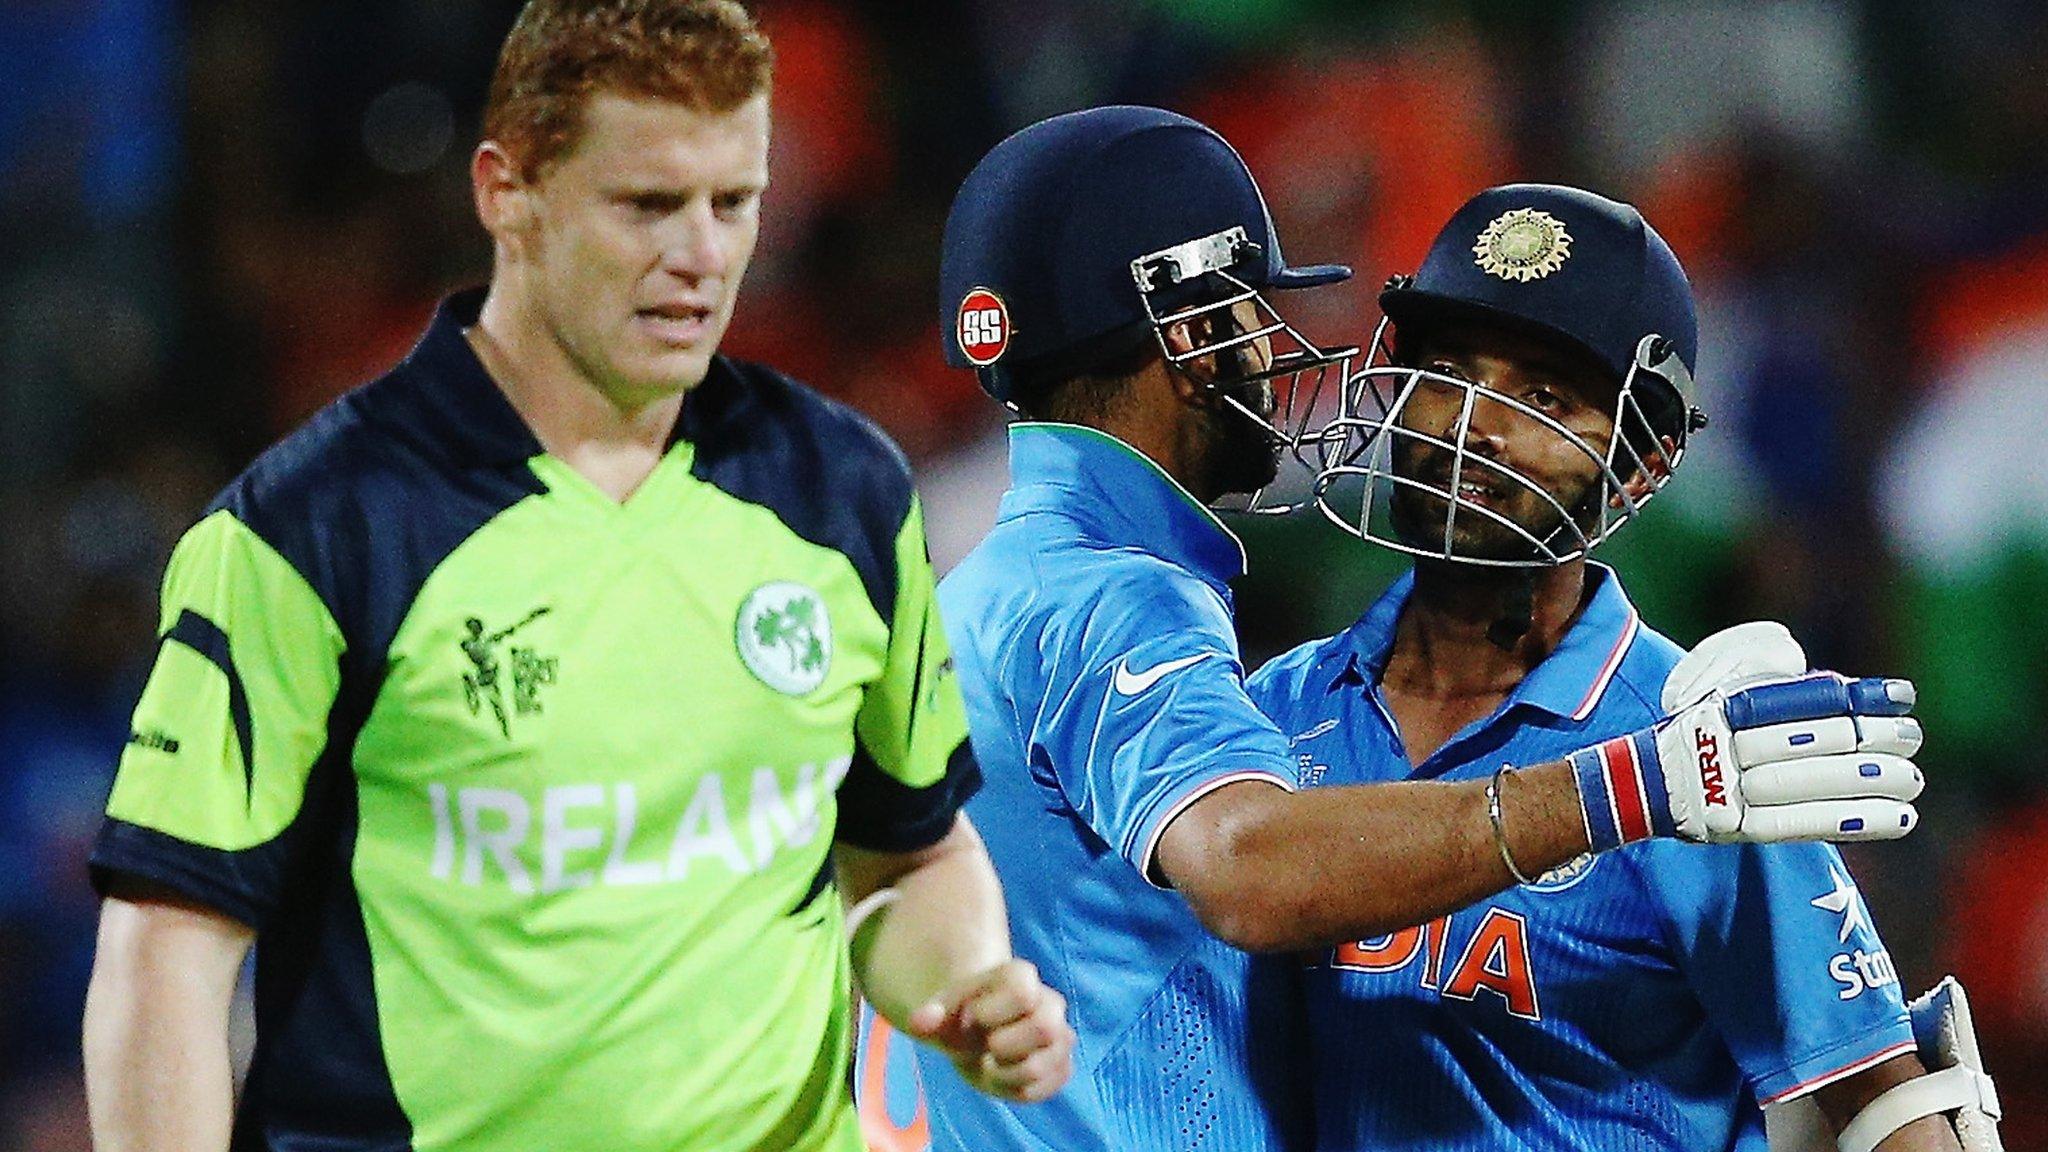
1406 464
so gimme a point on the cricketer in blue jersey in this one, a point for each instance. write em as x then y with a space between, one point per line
1152 716
1106 273
1649 997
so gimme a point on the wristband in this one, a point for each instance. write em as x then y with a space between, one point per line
1621 791
859 914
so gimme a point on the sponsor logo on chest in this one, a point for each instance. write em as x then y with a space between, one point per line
595 834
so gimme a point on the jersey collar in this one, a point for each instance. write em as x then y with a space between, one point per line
1567 684
451 400
1099 480
442 395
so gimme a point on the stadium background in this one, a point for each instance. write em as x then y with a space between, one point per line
215 217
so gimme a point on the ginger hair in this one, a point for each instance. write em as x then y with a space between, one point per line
707 55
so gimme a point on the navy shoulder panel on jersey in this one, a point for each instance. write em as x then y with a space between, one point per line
827 472
369 497
364 501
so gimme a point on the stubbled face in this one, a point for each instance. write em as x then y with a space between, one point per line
1241 453
1558 381
635 241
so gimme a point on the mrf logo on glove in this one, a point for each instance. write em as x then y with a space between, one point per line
1711 783
1812 757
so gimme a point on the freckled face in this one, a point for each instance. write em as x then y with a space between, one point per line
640 236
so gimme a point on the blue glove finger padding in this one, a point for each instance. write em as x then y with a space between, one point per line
1876 696
1815 697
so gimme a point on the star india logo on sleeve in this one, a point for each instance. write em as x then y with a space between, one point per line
1523 244
784 635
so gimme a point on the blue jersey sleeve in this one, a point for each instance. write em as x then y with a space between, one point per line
1778 944
1145 709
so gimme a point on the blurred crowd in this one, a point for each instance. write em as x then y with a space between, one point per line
216 217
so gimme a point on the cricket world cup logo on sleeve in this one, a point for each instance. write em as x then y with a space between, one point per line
984 327
784 636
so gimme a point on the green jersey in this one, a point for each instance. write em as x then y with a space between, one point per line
530 794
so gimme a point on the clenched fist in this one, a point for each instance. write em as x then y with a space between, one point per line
1005 1031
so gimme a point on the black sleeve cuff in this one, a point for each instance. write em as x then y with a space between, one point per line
882 814
212 877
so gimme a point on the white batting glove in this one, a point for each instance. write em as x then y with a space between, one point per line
1733 658
1814 757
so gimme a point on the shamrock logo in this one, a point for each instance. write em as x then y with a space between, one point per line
784 635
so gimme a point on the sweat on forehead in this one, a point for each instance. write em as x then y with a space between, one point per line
707 55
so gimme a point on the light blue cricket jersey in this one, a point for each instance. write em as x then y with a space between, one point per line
1104 693
1647 998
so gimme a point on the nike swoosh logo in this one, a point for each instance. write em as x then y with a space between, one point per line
1131 683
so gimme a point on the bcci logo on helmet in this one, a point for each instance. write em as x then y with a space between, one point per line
1524 244
785 637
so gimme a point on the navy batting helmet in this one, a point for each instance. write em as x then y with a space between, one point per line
1107 221
1567 267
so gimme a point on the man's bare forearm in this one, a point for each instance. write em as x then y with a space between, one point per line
945 922
1270 870
158 1071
